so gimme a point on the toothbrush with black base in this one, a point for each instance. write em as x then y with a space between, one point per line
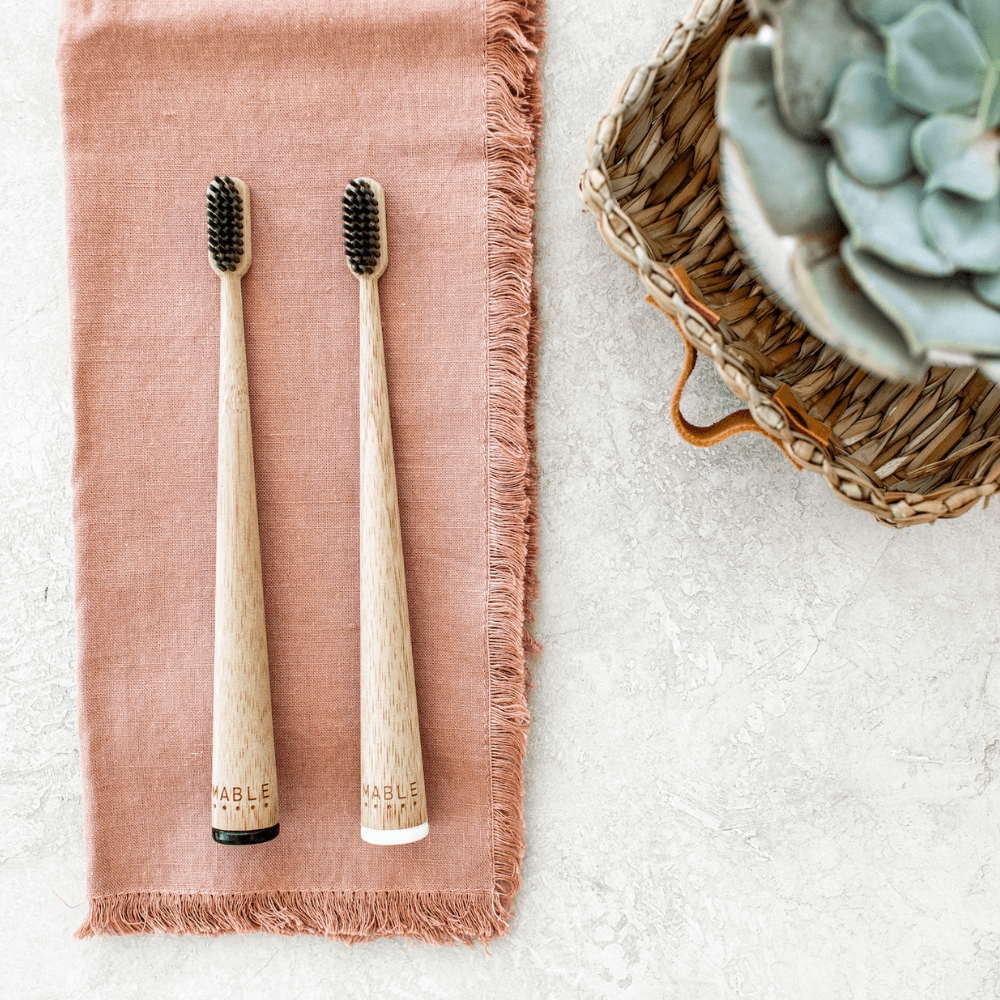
244 776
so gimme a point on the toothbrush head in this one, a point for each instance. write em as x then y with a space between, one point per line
228 226
365 242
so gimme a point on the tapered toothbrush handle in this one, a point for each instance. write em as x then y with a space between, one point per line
244 775
393 800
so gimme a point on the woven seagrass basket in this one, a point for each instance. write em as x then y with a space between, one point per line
906 452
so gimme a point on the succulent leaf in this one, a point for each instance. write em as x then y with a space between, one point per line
886 221
787 173
767 254
765 8
988 115
987 287
966 232
845 318
946 148
982 14
883 11
869 129
942 314
815 41
991 369
935 60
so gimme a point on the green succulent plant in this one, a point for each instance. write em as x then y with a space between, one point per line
868 132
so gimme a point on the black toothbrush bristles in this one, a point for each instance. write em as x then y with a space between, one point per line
225 223
361 227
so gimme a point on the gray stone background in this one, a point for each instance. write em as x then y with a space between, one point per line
764 726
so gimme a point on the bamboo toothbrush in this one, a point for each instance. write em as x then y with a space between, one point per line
393 802
244 776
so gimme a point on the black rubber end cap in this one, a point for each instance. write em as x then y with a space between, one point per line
240 838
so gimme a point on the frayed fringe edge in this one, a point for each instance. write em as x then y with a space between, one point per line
514 114
443 918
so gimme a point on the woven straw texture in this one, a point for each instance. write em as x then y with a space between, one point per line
906 452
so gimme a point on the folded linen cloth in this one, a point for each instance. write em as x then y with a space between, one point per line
439 101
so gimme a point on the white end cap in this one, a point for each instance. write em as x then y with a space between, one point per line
390 837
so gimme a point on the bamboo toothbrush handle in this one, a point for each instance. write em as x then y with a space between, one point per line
244 776
393 801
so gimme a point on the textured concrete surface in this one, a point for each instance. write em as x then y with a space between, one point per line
765 727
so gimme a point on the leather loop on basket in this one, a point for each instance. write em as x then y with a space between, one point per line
809 426
690 297
740 422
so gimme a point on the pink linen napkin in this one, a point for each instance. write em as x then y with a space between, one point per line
439 101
